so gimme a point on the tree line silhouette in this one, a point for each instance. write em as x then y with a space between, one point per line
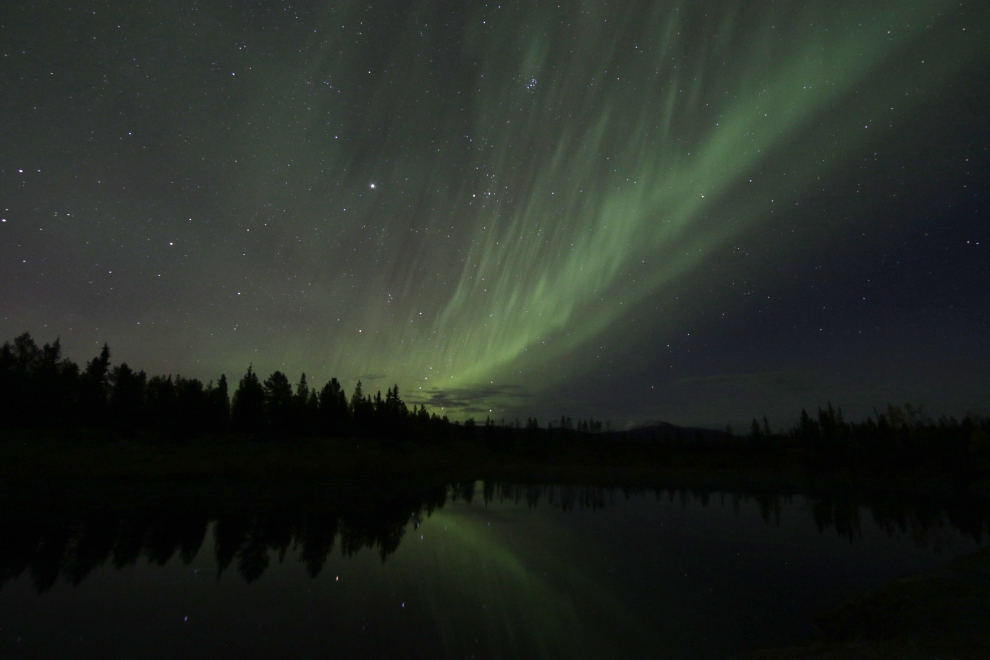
900 436
69 547
40 388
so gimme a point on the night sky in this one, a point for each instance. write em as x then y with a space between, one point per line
698 212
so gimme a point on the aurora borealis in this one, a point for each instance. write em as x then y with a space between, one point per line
697 212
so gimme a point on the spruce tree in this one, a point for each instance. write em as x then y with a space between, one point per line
247 411
94 388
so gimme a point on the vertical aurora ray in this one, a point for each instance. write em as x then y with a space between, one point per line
600 205
541 171
620 149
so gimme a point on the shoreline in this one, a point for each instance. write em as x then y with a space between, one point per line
106 457
39 467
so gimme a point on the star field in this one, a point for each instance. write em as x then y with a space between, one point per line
697 212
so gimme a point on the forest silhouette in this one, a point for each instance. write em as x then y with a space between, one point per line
39 389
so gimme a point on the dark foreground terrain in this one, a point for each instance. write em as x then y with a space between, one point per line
98 454
941 614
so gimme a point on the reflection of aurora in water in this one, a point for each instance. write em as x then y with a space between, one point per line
528 587
248 537
496 569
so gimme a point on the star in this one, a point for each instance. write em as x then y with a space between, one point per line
590 204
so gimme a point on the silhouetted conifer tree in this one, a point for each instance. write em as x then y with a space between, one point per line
808 428
333 412
357 396
56 386
127 397
490 434
312 412
247 410
218 406
160 404
22 396
191 407
27 353
362 412
8 386
16 364
278 404
302 413
59 383
94 388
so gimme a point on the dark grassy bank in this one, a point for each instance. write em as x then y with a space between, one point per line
58 421
98 455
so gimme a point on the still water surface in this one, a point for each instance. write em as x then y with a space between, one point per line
465 571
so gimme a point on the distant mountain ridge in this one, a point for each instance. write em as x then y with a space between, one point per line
660 430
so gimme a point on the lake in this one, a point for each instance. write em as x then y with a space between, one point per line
479 569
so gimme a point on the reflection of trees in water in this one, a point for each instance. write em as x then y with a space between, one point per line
927 520
565 496
47 547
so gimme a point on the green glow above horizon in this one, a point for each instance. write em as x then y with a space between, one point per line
593 164
468 200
